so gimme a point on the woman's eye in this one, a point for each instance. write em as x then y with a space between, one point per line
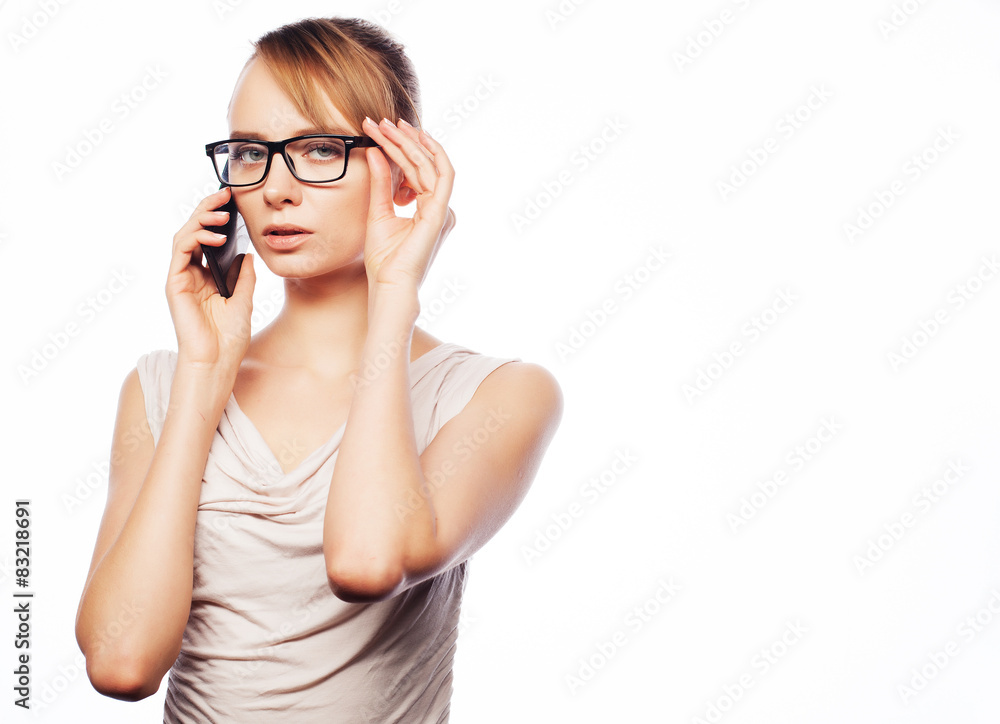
321 153
249 155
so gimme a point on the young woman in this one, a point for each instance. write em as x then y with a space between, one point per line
290 515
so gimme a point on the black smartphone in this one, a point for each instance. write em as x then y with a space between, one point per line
224 261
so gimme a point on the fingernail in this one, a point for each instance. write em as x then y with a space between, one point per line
371 122
389 122
402 122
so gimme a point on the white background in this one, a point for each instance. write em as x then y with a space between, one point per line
881 93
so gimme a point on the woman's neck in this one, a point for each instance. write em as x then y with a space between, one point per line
322 326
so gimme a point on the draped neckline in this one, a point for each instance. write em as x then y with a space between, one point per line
253 439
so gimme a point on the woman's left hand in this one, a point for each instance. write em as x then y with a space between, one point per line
399 250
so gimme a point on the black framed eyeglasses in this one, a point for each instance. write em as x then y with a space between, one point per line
315 159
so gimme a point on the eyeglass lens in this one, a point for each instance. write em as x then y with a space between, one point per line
312 159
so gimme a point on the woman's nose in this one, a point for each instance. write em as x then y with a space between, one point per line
280 185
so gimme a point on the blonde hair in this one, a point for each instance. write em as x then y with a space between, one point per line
356 63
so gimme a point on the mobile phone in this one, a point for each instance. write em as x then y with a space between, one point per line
224 260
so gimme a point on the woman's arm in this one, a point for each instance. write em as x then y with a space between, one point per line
385 528
395 518
377 466
137 598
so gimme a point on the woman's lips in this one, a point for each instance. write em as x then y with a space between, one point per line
286 242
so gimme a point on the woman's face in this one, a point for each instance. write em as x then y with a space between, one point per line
335 213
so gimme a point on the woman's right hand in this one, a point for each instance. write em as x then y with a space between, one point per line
213 333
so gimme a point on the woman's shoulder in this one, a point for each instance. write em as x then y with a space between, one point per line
157 361
489 382
461 359
472 370
156 372
426 346
452 354
169 355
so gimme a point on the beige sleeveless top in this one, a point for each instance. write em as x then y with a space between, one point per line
267 640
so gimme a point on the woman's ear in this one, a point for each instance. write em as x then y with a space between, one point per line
402 194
